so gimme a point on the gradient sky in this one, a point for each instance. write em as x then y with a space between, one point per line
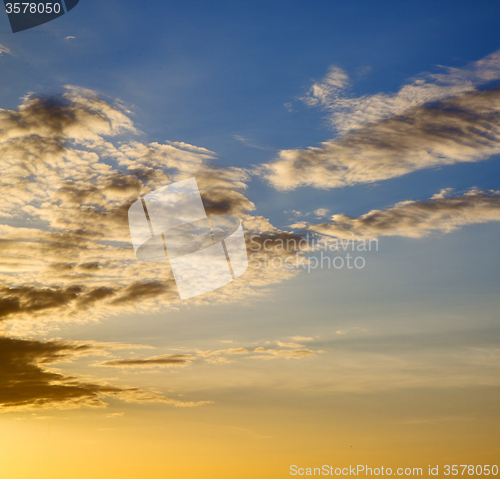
348 121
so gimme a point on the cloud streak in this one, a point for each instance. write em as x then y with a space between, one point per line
164 360
416 219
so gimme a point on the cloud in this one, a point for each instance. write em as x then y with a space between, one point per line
250 143
165 360
328 89
71 167
205 354
348 112
216 357
289 345
321 212
4 49
219 360
442 194
296 352
283 353
26 382
115 414
465 128
416 219
31 299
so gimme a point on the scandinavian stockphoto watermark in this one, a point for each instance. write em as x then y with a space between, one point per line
310 252
204 252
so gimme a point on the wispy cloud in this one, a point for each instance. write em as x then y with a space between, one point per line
219 352
302 338
217 356
4 49
415 219
327 91
347 112
294 351
289 345
115 414
250 143
284 353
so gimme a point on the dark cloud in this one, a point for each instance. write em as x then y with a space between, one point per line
141 290
29 299
89 266
27 383
97 294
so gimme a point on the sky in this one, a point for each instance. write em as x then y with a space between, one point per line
358 144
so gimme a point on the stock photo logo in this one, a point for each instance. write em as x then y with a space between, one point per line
23 16
204 252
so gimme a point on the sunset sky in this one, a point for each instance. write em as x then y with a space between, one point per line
374 127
